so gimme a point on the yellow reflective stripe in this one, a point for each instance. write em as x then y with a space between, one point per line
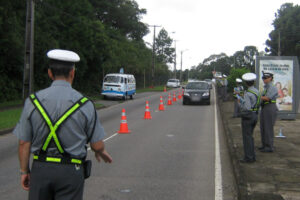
51 159
84 99
35 157
63 118
45 116
76 161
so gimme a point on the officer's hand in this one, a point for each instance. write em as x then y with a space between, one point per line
25 181
104 155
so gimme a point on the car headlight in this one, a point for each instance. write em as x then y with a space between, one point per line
186 94
205 94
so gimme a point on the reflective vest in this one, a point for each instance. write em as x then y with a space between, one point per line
256 106
53 127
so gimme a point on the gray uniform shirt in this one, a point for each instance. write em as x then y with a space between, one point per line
250 99
80 128
272 92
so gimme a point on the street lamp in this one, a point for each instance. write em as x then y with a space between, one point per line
181 64
175 56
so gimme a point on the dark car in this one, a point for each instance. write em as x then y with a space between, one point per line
196 92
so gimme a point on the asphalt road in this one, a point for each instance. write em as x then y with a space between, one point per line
171 156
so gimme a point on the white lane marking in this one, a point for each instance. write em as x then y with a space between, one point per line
110 137
89 148
218 167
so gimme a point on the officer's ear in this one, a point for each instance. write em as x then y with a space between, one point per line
50 74
72 73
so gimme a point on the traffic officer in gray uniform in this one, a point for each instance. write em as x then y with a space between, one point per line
238 90
249 105
268 113
55 126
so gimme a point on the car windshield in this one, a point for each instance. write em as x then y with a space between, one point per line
112 79
197 86
172 80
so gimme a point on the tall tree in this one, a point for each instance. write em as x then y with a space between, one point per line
163 50
285 37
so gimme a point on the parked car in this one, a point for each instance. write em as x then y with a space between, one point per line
174 83
209 81
196 92
118 85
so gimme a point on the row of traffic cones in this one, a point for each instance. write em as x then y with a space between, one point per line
124 126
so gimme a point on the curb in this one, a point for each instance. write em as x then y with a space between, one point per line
231 149
6 131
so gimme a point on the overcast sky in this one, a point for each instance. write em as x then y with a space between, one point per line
206 27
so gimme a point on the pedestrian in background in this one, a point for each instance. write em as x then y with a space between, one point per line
238 90
55 126
268 113
249 105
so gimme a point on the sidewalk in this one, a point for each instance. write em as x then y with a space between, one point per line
274 176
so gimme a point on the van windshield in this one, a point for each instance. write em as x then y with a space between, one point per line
172 80
112 79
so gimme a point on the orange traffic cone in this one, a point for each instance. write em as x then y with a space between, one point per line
161 104
169 100
174 97
179 95
123 125
147 111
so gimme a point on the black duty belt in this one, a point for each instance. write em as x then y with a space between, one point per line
61 160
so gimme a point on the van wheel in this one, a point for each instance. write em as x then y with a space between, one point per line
104 97
131 96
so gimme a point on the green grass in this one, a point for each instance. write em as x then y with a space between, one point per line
148 89
9 118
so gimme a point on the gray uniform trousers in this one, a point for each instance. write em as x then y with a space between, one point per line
267 121
55 181
249 122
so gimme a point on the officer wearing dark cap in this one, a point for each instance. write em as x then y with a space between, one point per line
55 126
268 113
249 106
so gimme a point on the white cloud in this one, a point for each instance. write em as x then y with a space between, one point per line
207 27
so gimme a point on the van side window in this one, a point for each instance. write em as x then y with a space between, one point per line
122 80
125 80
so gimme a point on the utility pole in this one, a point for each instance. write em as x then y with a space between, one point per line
28 82
153 56
175 61
279 52
181 64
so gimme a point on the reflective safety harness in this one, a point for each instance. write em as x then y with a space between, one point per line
256 106
267 102
53 127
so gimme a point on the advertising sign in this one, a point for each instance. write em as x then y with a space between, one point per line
282 79
285 72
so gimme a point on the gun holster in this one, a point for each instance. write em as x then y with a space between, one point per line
87 168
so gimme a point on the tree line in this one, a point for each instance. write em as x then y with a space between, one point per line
108 35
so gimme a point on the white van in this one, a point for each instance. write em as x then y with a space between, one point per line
173 83
118 85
